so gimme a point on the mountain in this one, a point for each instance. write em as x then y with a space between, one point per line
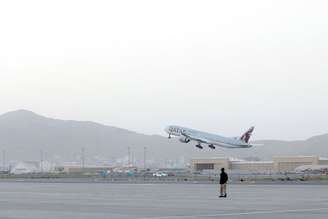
23 134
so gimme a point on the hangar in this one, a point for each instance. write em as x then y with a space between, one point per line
279 164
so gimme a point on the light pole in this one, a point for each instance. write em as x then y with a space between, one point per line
145 158
129 156
41 160
83 157
4 160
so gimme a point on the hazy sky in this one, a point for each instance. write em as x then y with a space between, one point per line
219 66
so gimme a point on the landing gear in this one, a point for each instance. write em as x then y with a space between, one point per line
199 146
169 137
211 146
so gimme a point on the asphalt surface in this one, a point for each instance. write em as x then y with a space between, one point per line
160 201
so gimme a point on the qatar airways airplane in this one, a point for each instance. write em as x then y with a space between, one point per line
186 135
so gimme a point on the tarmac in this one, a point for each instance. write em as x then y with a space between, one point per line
160 201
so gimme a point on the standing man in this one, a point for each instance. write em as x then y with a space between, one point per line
223 183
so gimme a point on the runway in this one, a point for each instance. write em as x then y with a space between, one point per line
160 201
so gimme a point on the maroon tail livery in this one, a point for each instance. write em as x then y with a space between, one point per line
245 137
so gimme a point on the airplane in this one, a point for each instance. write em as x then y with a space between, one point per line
212 140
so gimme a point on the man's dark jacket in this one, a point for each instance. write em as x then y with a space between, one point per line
223 178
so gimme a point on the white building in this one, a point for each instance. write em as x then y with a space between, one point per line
25 167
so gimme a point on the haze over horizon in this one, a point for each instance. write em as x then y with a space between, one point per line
23 134
28 114
218 66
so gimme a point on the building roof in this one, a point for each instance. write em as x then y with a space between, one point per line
252 162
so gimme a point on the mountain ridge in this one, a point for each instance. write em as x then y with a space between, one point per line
24 133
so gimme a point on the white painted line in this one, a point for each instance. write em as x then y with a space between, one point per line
240 213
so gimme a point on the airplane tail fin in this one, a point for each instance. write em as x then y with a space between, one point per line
247 135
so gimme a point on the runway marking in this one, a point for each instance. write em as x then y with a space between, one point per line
239 213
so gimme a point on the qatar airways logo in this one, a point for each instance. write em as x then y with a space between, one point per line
176 130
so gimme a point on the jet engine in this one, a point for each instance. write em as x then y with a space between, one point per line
184 139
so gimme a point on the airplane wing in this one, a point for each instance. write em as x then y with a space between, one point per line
196 138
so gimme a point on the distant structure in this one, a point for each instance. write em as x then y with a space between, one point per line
277 165
94 169
27 167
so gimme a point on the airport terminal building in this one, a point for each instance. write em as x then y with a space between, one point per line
277 165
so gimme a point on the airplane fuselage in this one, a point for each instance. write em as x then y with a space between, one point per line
206 138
